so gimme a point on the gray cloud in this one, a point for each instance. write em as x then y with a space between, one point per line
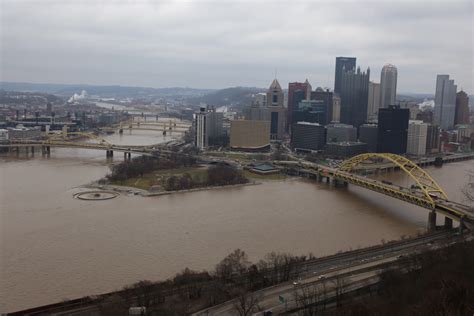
216 44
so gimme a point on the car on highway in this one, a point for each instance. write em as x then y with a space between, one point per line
321 277
297 282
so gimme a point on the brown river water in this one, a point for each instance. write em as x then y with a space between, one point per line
54 247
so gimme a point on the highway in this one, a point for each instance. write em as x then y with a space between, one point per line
351 268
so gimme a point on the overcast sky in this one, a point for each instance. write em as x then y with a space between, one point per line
217 44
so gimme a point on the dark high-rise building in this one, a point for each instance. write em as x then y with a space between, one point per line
368 135
324 97
392 131
462 108
308 136
297 92
312 111
342 63
354 97
432 139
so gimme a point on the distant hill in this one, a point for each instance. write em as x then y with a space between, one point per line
67 90
16 98
236 97
415 97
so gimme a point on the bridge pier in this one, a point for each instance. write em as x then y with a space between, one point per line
127 156
121 131
432 221
338 183
448 223
33 150
109 153
46 150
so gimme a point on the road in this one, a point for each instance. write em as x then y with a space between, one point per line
326 270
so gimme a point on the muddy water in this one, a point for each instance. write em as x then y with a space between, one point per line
55 247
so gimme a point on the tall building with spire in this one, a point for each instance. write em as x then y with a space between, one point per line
297 92
275 99
445 102
462 108
343 64
354 97
388 86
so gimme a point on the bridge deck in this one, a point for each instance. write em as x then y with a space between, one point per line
449 209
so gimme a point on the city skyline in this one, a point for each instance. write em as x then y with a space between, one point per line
158 45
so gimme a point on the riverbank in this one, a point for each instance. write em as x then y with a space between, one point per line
145 193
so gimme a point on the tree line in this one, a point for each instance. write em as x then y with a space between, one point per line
138 166
233 277
216 175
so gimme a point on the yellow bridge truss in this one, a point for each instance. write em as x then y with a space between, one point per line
423 180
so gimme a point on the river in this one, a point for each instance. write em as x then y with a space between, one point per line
55 247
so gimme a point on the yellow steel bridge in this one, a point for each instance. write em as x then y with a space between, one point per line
426 192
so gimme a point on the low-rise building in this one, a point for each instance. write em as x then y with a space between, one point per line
345 149
307 136
3 135
341 133
21 132
249 135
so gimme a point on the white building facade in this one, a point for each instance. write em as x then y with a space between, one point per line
417 135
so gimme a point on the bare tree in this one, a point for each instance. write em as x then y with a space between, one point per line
310 299
145 293
339 283
235 264
247 303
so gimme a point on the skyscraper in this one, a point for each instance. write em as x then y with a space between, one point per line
445 102
374 101
336 108
392 130
432 139
208 125
354 97
342 63
388 86
297 92
275 106
462 108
